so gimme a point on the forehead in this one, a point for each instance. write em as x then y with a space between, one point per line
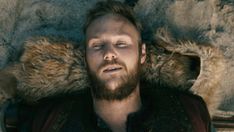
111 24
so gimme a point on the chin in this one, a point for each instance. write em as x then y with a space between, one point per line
113 84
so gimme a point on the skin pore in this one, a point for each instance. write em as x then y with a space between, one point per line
113 58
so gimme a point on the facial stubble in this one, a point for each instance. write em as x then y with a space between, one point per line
126 84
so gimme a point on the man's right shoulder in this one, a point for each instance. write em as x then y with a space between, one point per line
21 115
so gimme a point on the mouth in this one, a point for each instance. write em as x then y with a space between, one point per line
110 69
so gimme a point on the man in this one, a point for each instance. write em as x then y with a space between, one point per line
117 101
116 45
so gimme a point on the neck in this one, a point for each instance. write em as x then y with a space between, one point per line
115 112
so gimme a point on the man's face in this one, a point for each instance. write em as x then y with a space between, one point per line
112 56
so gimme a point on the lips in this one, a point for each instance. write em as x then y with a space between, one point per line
112 69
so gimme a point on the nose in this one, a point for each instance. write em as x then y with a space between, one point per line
110 53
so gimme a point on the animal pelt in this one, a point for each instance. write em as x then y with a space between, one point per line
170 69
48 67
201 21
177 72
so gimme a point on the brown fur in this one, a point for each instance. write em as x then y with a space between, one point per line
168 69
212 66
48 68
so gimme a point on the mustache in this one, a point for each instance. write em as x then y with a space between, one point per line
112 62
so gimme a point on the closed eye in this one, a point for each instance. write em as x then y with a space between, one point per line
121 44
97 46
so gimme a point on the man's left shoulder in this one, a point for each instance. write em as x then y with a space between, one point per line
197 110
188 97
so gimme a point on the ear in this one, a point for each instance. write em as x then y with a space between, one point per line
143 53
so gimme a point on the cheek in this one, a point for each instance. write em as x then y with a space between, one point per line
92 61
130 58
